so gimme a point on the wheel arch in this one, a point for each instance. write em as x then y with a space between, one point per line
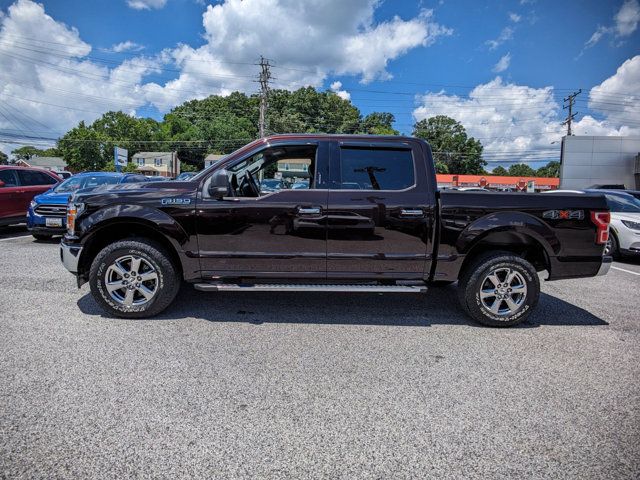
515 232
114 230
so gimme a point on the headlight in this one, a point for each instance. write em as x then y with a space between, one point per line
73 210
33 204
631 225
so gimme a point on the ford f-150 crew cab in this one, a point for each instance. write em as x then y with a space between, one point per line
334 213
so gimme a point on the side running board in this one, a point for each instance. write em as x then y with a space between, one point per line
272 287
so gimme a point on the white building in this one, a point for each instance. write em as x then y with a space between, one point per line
587 161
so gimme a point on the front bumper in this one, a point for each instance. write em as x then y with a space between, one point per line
70 256
605 266
38 224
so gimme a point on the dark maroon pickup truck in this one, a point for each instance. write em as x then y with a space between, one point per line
333 213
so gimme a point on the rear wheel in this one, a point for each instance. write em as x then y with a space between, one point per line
499 289
134 279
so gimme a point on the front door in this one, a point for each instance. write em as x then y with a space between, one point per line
380 212
271 223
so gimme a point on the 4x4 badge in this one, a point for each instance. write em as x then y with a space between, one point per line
564 214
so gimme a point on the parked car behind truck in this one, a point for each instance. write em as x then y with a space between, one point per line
47 212
18 185
221 231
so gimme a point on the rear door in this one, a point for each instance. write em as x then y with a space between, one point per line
32 183
380 215
10 201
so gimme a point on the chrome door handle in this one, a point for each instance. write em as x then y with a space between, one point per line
411 212
309 210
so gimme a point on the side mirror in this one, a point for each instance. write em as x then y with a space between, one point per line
218 185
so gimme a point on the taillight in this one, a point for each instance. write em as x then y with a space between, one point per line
601 221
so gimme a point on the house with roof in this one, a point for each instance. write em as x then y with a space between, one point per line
54 164
157 164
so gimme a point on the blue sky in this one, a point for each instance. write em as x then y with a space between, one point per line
501 67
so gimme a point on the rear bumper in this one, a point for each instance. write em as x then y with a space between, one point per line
70 256
604 266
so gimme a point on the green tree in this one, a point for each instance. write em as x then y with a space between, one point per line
441 167
499 170
25 153
4 158
378 123
551 169
450 144
110 166
521 170
187 167
83 148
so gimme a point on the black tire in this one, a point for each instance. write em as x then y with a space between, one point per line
440 283
475 277
41 237
613 249
165 286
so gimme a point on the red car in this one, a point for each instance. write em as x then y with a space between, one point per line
18 186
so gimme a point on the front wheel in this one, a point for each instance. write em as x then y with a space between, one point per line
611 248
499 289
134 279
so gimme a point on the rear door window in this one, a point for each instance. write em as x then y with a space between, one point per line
30 177
376 169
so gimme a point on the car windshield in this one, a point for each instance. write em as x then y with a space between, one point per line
85 181
623 203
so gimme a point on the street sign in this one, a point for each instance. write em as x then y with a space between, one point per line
120 157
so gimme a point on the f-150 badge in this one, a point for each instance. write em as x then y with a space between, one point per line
564 214
176 201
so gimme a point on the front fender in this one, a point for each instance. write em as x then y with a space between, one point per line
518 222
121 213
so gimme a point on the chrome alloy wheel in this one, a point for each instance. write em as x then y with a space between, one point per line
503 291
131 281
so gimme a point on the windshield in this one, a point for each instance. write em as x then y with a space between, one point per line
85 181
623 203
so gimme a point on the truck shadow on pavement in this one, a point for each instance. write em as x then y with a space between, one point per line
439 306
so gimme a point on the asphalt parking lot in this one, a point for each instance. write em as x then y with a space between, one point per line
314 385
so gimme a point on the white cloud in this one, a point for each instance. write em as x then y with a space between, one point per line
516 122
625 23
505 34
336 87
618 96
45 65
503 63
47 84
326 38
627 18
127 46
146 4
514 17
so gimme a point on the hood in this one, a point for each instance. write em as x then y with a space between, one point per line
135 192
53 198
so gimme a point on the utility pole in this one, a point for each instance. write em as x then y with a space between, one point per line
263 79
570 99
